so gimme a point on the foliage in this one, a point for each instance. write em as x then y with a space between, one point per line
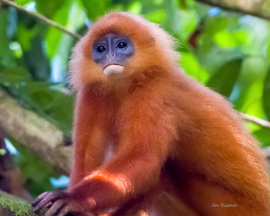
225 51
36 172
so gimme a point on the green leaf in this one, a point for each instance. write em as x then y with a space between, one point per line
42 98
95 8
36 60
225 39
2 152
251 85
263 136
54 35
3 33
62 112
224 79
266 95
156 16
39 95
135 7
6 56
14 76
183 4
192 67
22 2
268 52
243 37
25 36
34 86
49 7
17 49
187 25
158 2
51 103
216 24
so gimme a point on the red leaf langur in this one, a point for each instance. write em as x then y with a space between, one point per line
150 141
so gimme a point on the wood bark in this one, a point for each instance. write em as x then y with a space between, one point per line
34 132
258 8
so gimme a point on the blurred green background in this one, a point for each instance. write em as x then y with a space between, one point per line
226 51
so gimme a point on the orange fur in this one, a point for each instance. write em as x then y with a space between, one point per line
173 140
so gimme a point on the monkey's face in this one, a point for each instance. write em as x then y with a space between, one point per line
119 46
111 52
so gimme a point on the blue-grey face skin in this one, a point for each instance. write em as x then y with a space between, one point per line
112 50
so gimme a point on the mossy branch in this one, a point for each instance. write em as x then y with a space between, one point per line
13 206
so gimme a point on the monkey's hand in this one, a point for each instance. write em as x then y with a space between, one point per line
59 204
47 199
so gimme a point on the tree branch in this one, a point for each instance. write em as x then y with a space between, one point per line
255 120
266 152
255 8
43 19
13 206
34 132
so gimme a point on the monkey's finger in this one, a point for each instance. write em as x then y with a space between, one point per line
48 198
65 211
40 197
48 205
56 208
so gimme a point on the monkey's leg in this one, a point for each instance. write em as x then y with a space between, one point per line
159 203
209 199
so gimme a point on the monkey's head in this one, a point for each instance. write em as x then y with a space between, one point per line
120 45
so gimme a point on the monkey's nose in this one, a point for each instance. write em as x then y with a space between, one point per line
110 55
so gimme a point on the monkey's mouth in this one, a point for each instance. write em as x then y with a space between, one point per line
110 64
113 69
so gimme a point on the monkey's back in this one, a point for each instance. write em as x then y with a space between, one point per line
212 133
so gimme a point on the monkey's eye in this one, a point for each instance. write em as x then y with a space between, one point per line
101 48
122 45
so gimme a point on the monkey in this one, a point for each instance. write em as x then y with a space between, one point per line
148 139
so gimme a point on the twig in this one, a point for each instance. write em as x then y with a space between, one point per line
266 152
44 19
235 8
255 120
262 123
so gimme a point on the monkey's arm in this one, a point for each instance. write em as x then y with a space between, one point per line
92 114
146 130
88 144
